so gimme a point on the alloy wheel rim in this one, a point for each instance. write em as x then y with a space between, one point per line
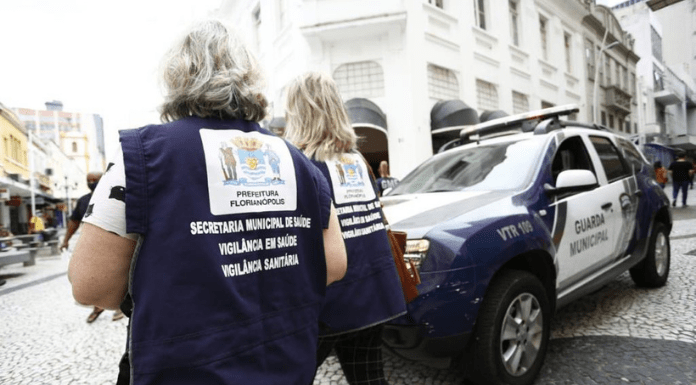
521 334
661 254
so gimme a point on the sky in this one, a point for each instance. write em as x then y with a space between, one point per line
95 56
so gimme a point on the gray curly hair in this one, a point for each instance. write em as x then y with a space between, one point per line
210 74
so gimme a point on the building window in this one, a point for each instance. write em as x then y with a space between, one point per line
486 96
657 79
617 75
437 3
633 84
624 78
628 126
282 14
520 103
363 79
442 84
544 38
607 70
600 64
74 147
611 121
604 118
590 58
514 23
568 41
656 41
480 13
256 22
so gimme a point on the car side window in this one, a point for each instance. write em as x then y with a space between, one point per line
631 154
571 155
614 165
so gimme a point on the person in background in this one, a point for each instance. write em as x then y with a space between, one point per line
82 210
36 224
681 172
229 289
385 181
355 308
660 174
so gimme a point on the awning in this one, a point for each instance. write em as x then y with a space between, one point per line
447 118
451 113
684 142
363 112
490 115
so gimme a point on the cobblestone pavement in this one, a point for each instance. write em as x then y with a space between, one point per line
617 335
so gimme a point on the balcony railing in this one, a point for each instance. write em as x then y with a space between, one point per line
669 89
618 100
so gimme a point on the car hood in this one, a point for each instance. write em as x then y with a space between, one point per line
419 213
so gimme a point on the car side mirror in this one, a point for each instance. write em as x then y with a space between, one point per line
572 181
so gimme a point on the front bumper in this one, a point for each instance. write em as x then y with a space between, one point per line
407 341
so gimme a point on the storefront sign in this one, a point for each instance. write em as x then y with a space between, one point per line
4 194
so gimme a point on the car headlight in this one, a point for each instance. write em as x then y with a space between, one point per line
416 250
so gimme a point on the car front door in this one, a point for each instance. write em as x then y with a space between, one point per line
584 221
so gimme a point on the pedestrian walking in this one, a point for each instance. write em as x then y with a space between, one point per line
228 275
385 181
355 308
660 174
681 172
82 210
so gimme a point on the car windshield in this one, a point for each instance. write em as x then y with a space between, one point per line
495 166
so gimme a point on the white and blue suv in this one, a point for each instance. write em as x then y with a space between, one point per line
526 214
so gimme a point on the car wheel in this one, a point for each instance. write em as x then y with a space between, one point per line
654 269
512 331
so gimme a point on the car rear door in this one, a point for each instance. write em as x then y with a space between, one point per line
622 185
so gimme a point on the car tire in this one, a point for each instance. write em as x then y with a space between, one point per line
521 299
653 270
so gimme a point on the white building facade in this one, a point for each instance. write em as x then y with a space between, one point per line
667 97
398 58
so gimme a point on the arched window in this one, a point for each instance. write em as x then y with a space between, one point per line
486 95
442 84
363 79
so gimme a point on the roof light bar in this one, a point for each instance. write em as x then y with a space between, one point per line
527 120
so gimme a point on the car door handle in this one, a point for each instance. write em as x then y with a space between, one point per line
638 193
606 206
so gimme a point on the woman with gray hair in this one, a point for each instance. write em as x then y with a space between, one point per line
215 250
356 307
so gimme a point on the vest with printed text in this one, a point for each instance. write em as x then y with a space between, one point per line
230 272
370 293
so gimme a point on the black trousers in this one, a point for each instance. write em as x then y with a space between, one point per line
359 353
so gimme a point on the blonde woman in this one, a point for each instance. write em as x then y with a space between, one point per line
370 294
227 261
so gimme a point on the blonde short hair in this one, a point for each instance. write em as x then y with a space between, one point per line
210 74
316 120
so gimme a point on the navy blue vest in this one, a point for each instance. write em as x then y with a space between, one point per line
370 293
229 278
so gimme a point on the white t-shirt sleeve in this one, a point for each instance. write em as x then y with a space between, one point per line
108 199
